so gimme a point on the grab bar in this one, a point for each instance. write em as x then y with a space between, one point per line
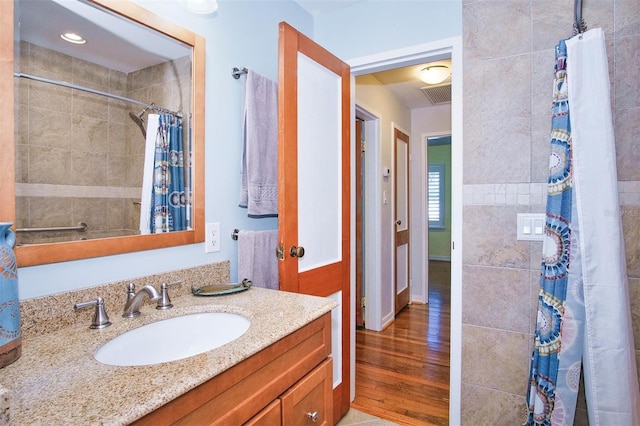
82 227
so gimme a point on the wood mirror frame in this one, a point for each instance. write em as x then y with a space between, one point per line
38 254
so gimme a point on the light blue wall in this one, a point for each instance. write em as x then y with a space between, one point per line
375 26
242 34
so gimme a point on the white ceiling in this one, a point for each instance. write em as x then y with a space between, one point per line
111 41
403 82
41 22
316 7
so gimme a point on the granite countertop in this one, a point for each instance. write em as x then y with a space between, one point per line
57 381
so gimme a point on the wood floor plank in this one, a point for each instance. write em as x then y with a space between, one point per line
402 372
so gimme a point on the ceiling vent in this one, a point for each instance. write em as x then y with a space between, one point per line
440 94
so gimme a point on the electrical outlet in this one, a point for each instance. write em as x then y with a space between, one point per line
212 237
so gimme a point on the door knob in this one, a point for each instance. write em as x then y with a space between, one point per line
296 251
398 222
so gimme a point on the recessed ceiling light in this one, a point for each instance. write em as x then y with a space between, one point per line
73 38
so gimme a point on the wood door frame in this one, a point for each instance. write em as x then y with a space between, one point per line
359 215
411 55
334 277
398 134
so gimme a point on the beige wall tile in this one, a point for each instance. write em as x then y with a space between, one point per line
92 211
503 144
490 237
534 285
634 298
627 134
627 17
49 165
116 214
505 90
45 212
88 168
22 163
484 39
496 298
495 359
552 20
89 105
626 82
90 134
48 127
118 81
48 63
540 147
116 170
489 407
90 75
47 96
631 233
117 139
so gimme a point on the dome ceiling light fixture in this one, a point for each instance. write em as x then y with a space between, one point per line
200 7
434 74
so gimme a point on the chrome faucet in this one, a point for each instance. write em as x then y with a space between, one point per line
132 307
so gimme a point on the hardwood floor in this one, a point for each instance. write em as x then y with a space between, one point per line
402 372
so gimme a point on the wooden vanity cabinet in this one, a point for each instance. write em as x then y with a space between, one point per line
308 402
285 383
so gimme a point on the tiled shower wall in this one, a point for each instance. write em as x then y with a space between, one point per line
79 156
508 48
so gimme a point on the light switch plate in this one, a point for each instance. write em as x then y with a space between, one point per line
531 226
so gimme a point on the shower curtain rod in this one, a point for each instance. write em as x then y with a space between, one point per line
97 92
579 26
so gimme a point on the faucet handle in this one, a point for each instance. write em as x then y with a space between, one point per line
164 302
100 317
131 291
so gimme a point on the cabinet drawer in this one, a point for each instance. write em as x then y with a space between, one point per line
270 416
309 402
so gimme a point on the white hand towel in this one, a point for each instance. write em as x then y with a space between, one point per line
259 190
257 259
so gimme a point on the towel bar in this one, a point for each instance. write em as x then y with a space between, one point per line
234 234
237 72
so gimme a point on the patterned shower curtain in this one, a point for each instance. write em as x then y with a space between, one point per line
583 315
168 209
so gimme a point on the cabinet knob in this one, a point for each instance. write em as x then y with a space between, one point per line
313 416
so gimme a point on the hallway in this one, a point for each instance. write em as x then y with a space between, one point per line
402 373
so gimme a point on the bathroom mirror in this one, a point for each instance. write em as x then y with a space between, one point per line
80 158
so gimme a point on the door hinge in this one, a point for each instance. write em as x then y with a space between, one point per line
363 302
363 146
280 252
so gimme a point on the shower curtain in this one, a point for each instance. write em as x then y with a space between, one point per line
584 315
163 207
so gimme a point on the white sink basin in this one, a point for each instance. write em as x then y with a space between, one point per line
172 339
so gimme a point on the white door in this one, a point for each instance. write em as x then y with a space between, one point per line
314 186
401 191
